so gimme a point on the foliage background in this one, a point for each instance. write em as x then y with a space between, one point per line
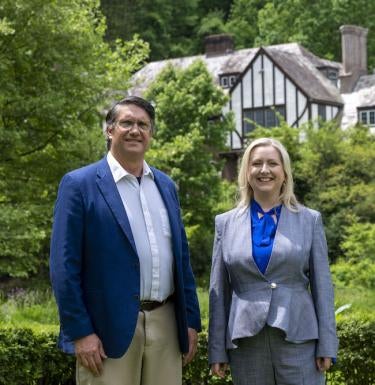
57 73
190 133
177 28
61 67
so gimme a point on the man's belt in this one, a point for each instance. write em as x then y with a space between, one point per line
152 305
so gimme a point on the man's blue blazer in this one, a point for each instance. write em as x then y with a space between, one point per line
94 264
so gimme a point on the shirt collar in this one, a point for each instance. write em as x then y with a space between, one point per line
119 172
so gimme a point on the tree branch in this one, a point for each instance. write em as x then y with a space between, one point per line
34 150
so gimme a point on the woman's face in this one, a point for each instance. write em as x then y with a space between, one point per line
266 174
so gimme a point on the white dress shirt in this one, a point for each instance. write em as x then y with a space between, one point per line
151 230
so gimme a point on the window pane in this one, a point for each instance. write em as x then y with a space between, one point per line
248 126
232 80
280 110
224 81
270 118
364 117
259 116
372 117
322 111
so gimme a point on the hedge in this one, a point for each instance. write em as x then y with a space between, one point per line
30 357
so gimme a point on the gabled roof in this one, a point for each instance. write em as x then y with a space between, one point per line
298 63
302 66
233 62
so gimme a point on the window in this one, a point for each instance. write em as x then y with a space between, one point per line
364 117
224 81
367 117
227 81
330 73
322 111
266 117
232 80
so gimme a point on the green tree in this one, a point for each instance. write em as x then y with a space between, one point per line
243 22
338 178
167 25
315 24
190 132
212 23
57 73
333 172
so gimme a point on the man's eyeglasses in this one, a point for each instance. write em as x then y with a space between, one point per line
129 124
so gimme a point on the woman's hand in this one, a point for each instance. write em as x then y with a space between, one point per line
219 369
323 363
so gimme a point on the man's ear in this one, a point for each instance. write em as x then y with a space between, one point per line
109 131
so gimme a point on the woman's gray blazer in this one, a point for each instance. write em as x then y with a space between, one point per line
295 294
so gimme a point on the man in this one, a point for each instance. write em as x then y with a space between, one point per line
120 266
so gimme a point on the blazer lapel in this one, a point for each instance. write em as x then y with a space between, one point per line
108 188
277 254
241 245
248 242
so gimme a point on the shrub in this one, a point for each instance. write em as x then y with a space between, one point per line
361 274
30 357
359 242
356 360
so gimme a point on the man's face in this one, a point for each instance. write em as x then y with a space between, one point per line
131 133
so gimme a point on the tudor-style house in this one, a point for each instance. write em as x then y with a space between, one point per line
285 80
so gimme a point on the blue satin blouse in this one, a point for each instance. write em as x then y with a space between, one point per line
263 232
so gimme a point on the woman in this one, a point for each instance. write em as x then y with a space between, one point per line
271 296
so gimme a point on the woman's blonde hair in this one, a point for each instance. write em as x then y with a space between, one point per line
246 193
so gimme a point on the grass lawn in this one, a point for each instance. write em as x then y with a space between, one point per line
34 308
361 300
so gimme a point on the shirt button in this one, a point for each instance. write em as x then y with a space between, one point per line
136 296
273 285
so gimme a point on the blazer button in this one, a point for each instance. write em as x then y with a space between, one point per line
136 296
273 285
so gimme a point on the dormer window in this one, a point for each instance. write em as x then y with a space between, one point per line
330 73
228 80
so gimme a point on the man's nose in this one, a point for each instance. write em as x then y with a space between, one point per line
134 129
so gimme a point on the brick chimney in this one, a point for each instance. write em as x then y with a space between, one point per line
354 55
215 45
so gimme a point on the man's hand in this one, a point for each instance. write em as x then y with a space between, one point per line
90 353
323 363
193 343
219 369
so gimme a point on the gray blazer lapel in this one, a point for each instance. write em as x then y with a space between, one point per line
108 188
281 241
240 234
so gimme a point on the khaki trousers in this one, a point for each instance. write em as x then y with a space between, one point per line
153 358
